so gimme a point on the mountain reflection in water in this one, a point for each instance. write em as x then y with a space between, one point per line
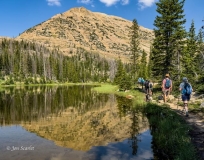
77 118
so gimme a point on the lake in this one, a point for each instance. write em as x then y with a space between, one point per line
71 122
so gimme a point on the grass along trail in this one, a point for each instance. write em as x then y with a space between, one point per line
196 121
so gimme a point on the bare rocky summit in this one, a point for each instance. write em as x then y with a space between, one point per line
95 32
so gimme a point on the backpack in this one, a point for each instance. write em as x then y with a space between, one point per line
150 85
187 89
168 83
146 84
142 81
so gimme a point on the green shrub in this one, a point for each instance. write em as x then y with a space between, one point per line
200 89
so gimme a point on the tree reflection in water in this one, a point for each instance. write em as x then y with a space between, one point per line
26 104
76 118
125 107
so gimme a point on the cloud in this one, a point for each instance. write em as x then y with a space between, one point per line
146 3
54 2
85 1
125 2
109 2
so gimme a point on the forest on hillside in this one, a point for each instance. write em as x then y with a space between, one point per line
29 62
32 63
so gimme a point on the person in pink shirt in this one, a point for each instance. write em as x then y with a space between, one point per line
166 86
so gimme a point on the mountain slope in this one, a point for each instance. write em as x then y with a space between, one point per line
95 32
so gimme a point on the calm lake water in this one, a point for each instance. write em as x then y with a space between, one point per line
70 122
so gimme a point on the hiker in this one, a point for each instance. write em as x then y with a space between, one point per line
148 89
186 90
141 81
166 87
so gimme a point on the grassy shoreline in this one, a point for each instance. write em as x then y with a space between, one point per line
136 95
50 84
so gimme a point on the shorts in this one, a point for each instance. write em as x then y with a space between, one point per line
166 92
185 97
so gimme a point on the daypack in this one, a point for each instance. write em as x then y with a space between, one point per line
142 81
150 85
146 84
168 83
187 89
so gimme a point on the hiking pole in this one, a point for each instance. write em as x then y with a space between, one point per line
178 101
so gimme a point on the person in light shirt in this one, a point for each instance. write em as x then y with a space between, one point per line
166 87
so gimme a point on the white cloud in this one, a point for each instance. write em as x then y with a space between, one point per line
54 2
109 2
146 3
85 1
125 2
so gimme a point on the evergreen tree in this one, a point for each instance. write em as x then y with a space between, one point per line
122 78
199 61
134 47
188 58
149 67
169 37
119 73
143 65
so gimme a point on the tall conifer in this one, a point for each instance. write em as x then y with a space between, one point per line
143 65
134 46
189 54
169 37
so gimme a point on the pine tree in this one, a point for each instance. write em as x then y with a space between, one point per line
134 47
169 37
199 61
119 73
143 65
121 77
189 55
149 66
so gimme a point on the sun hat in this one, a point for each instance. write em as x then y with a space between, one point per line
167 75
185 79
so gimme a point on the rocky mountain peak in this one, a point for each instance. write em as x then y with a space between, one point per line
93 31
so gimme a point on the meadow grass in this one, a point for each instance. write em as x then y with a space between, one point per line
137 96
106 88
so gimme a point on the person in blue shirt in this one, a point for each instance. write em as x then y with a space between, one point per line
184 95
141 81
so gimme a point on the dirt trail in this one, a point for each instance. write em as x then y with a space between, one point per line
196 121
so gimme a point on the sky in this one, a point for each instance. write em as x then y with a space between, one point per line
16 16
